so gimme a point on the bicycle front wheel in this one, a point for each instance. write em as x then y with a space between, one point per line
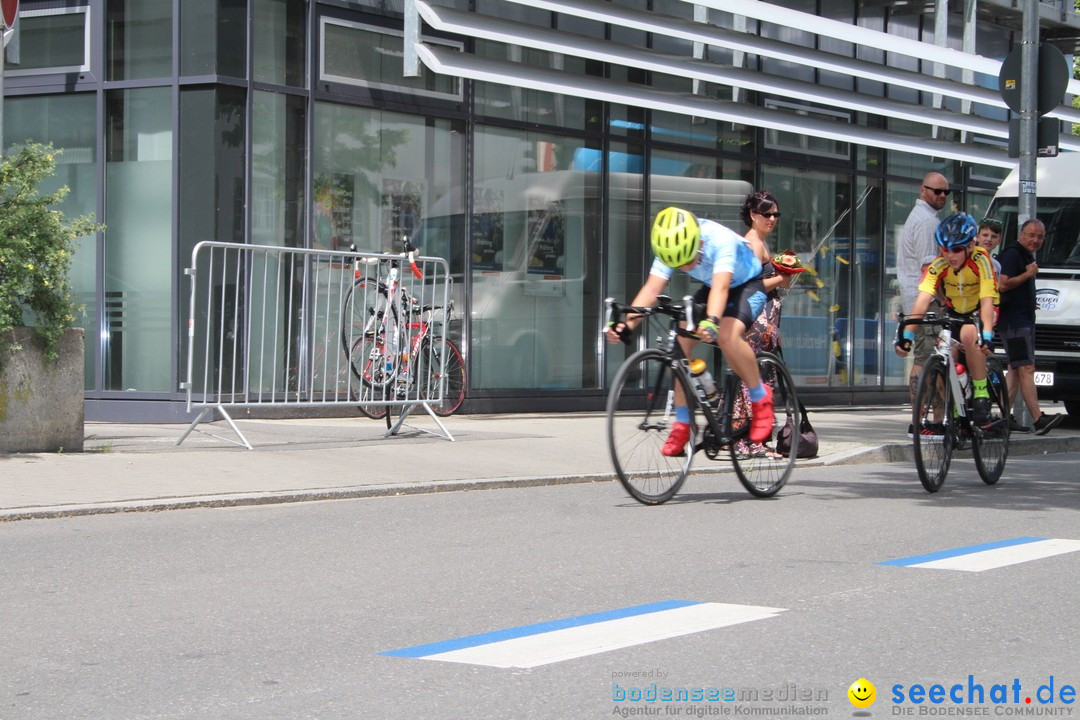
991 446
442 374
640 414
366 334
932 427
760 469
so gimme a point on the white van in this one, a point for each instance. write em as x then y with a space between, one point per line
1057 322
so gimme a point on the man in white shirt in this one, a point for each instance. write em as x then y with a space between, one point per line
915 249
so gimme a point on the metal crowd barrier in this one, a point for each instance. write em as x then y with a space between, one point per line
272 327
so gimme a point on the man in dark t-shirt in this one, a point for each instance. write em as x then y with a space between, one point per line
1016 324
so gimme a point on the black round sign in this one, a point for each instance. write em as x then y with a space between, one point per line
1053 79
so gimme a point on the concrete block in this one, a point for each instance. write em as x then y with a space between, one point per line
41 405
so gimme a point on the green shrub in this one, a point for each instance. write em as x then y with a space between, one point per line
36 246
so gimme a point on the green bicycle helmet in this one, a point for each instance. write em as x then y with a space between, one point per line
676 237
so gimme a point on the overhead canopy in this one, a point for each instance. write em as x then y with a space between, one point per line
993 133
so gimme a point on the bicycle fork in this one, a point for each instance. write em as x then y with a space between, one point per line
960 401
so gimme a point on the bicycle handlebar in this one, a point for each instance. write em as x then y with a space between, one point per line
952 321
664 306
408 252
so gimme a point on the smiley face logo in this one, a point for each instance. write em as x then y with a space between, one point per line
862 693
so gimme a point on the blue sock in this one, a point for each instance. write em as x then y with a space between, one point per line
757 394
682 414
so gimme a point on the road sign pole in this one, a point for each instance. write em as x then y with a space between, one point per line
1029 117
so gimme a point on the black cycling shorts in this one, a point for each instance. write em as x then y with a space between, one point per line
744 302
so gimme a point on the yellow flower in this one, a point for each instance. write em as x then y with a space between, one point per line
29 266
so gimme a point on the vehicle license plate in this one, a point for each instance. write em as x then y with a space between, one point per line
1044 378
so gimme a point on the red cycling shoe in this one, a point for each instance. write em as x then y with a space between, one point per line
676 441
761 417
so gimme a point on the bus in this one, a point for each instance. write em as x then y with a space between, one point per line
1057 322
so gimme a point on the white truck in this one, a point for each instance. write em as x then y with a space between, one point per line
1057 322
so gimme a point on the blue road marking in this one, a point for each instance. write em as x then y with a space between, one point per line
955 552
535 629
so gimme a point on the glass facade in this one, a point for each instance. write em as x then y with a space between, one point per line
139 272
293 123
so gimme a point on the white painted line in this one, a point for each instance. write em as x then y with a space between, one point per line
574 642
1003 556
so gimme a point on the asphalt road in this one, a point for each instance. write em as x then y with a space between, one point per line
285 611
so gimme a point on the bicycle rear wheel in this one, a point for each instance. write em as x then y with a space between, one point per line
764 471
991 445
367 395
445 370
934 438
639 423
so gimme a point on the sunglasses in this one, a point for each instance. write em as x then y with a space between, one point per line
769 215
957 249
991 223
938 191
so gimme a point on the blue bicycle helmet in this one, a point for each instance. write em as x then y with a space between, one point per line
956 231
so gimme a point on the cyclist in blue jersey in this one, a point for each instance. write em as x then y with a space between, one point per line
733 294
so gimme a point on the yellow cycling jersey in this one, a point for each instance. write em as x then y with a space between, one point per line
962 288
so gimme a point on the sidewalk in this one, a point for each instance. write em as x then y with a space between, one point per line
140 467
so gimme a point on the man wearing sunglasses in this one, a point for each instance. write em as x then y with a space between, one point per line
916 248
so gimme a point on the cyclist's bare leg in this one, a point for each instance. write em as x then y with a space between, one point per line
737 352
688 345
976 360
680 429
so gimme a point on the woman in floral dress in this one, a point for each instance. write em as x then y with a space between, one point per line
761 214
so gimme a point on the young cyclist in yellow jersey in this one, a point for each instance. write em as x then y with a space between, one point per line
964 274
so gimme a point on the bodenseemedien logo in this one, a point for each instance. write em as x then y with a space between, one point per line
862 693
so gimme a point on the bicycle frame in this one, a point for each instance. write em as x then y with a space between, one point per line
944 348
719 424
638 434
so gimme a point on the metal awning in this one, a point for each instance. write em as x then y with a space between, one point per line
449 62
505 31
513 33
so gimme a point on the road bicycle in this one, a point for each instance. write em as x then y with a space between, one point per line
396 345
640 413
941 416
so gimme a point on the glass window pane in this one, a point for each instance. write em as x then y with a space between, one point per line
535 250
52 40
278 158
139 39
873 328
68 123
628 252
278 31
378 175
815 226
211 166
512 102
213 37
372 57
211 191
139 272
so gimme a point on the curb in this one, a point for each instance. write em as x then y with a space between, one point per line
889 453
288 496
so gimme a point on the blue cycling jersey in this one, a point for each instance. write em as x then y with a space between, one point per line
722 250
